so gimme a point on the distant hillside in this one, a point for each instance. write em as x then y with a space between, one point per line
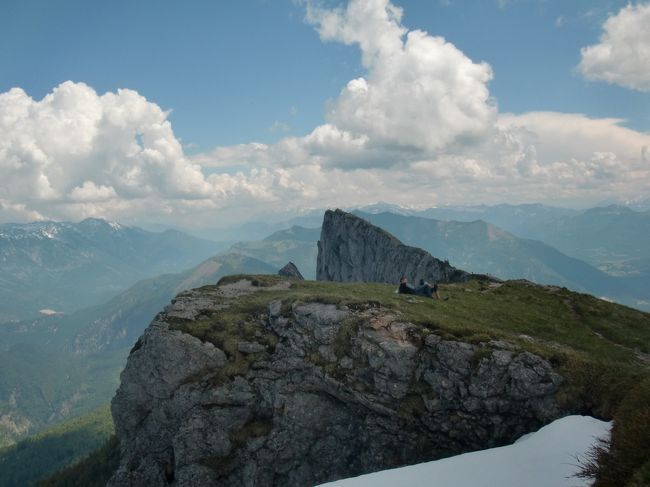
296 244
484 248
62 366
65 266
602 236
38 456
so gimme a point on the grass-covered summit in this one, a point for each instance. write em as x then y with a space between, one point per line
600 350
557 323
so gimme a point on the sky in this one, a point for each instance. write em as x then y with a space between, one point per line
211 113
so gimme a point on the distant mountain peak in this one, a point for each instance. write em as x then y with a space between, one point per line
101 223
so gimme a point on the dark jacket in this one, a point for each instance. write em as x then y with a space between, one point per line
404 288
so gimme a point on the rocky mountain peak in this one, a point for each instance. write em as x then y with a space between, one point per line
290 270
351 249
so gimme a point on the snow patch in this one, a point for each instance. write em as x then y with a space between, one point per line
548 457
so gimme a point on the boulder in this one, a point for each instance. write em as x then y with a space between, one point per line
290 270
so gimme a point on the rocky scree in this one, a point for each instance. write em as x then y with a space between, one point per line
294 393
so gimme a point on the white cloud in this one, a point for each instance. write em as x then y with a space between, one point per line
622 56
389 140
75 154
418 128
89 191
420 91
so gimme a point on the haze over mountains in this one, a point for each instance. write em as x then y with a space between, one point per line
481 247
63 266
57 367
612 238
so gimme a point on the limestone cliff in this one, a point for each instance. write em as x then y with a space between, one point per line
352 250
269 382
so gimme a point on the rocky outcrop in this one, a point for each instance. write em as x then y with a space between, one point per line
290 270
233 385
352 250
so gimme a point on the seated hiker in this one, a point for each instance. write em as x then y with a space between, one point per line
425 289
405 287
435 291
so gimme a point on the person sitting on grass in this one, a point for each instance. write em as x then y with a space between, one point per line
434 291
405 287
425 289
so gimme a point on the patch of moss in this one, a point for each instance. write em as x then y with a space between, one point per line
253 429
261 280
412 406
342 343
226 329
220 464
479 354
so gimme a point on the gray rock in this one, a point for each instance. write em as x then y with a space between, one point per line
352 250
250 347
291 270
342 392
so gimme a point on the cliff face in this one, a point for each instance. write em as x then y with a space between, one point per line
252 383
352 250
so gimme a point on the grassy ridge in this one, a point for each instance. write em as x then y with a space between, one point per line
548 320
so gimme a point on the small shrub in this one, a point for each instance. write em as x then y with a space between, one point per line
624 460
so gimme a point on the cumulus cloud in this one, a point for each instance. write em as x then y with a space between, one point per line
622 56
420 91
418 128
76 153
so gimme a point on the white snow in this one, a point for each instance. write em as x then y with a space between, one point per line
547 458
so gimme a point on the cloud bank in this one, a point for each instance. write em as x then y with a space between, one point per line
622 56
419 128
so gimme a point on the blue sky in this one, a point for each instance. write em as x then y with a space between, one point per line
230 70
257 71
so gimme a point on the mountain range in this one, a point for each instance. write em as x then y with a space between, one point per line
476 246
57 367
63 266
612 238
60 366
481 247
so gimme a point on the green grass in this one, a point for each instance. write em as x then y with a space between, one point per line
36 457
565 327
547 320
